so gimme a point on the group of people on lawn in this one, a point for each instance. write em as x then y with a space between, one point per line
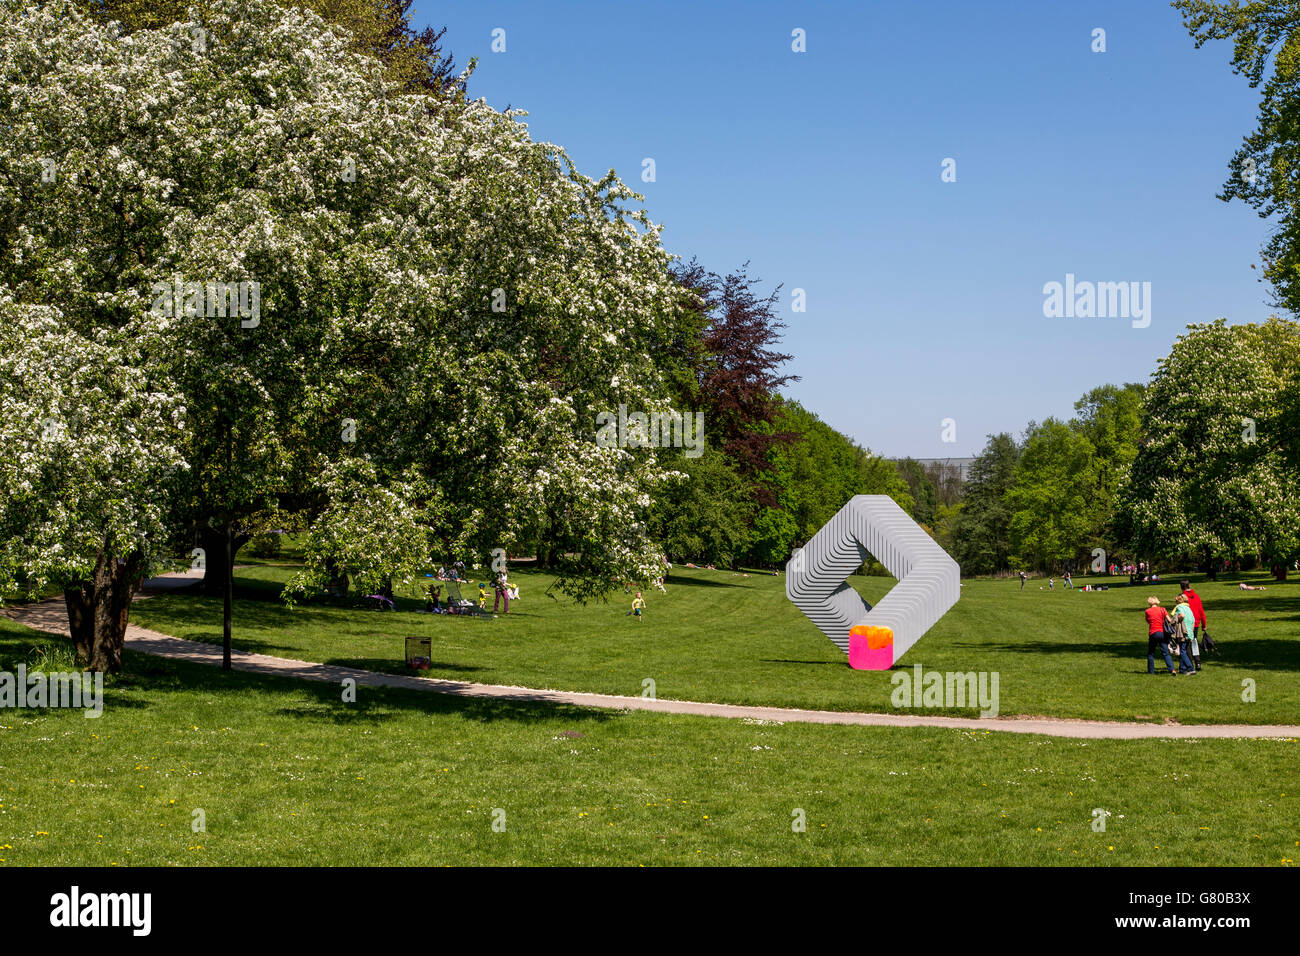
501 586
1178 634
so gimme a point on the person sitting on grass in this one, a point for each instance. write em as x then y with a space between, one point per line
638 605
1155 616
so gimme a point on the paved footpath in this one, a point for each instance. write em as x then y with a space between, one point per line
51 616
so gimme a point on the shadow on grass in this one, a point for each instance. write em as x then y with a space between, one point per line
143 673
388 665
1275 654
1252 601
693 582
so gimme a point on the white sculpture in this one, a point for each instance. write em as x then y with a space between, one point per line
929 581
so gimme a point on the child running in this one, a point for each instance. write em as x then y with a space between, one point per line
638 605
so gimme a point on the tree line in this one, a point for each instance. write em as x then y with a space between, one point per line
1197 467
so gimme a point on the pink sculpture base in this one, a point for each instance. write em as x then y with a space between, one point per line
863 658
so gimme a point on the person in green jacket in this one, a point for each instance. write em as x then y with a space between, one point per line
1184 610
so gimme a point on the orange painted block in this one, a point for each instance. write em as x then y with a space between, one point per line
871 648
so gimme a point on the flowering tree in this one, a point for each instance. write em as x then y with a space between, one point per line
380 28
1212 477
372 313
88 457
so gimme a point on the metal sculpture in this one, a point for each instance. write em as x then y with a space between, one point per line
929 581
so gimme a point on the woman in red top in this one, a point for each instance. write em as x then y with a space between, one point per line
1155 616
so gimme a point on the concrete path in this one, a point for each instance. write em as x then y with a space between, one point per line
51 616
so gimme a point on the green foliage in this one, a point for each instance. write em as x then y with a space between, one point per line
1048 498
982 529
1044 503
1110 417
922 489
812 478
1215 476
265 545
1265 37
706 516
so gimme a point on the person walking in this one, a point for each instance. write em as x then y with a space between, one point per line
1202 632
1177 634
501 592
1156 638
1023 578
1068 581
1184 610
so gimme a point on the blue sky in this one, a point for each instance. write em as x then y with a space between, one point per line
823 169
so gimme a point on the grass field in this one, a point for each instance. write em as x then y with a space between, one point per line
716 636
285 773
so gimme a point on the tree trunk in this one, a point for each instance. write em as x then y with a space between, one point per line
218 562
1279 572
228 595
98 611
1211 571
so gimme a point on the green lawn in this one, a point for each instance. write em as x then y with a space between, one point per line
716 636
286 773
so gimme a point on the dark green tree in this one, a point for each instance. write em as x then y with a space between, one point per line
1048 500
1265 37
922 488
982 533
1110 418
